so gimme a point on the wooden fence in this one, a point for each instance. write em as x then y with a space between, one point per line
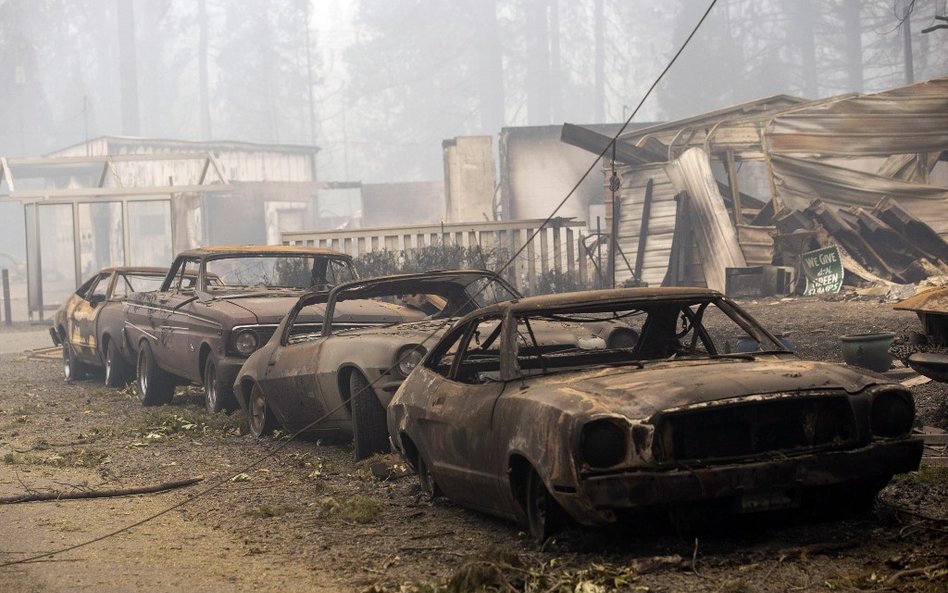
555 255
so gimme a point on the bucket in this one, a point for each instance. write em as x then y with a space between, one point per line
870 351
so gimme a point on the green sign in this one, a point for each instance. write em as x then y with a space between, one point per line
823 271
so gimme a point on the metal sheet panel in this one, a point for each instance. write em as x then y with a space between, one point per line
800 181
714 233
661 222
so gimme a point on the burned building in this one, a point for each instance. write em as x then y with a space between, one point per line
758 183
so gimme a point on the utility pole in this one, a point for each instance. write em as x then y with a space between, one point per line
907 47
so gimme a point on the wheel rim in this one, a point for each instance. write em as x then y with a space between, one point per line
258 412
143 373
210 386
537 507
108 363
67 365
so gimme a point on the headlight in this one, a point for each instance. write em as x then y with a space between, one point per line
246 342
892 413
604 443
408 358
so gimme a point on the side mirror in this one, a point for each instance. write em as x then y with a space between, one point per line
96 299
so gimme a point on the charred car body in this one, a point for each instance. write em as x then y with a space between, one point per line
338 358
215 307
927 353
90 324
503 419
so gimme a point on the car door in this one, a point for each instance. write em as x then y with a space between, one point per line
289 381
177 322
82 334
459 435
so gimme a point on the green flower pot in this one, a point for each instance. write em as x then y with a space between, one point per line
870 351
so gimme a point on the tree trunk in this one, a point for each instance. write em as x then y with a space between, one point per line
128 68
852 26
807 46
538 64
203 84
490 65
599 95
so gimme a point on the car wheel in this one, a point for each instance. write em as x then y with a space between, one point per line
369 432
259 414
117 371
544 516
72 368
217 397
155 387
428 485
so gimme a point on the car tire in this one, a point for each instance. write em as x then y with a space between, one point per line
155 386
369 431
259 415
544 515
217 397
425 479
73 370
117 370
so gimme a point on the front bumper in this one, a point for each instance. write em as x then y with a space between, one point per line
227 370
55 336
657 487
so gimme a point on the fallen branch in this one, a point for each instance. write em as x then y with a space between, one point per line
915 571
38 497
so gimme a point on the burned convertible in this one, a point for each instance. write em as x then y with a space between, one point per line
509 417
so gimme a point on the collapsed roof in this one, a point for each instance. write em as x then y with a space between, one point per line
761 158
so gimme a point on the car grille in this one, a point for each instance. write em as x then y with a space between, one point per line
754 428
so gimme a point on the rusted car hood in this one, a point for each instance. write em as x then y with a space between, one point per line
266 309
639 393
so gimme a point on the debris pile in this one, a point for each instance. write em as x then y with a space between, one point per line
883 245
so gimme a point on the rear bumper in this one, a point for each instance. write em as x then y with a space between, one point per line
655 487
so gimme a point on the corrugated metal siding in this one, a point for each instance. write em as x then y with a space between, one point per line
661 226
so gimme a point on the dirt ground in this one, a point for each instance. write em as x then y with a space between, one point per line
293 515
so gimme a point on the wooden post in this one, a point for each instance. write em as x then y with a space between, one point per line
557 248
581 260
643 231
6 297
735 190
516 244
531 265
544 252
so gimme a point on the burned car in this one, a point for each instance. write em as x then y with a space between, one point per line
537 426
89 325
927 351
336 360
215 307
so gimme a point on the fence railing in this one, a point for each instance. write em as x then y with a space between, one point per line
555 255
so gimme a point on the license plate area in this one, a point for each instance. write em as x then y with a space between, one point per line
768 500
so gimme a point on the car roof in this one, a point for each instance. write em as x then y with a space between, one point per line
135 270
411 283
604 297
464 277
259 249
